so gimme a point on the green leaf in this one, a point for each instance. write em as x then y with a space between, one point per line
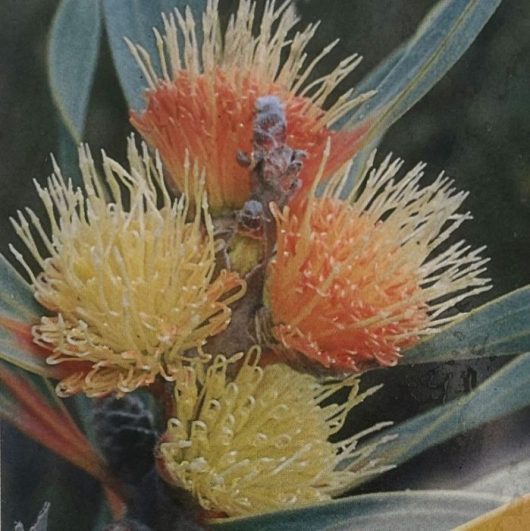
29 403
511 481
508 390
68 155
434 510
18 312
135 19
16 296
413 69
498 328
72 58
513 516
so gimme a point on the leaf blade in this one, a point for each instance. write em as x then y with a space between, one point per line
30 404
514 515
507 391
72 57
511 481
135 20
440 40
390 510
18 312
410 71
498 328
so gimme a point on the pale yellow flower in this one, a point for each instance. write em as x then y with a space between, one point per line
259 439
127 274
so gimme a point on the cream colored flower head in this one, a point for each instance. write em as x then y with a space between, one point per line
127 274
260 440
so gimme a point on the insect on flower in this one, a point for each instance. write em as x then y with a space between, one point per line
357 279
203 99
250 219
275 166
274 169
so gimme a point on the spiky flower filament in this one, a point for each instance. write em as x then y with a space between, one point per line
127 273
259 440
356 280
204 98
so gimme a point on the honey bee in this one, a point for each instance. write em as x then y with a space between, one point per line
275 166
250 219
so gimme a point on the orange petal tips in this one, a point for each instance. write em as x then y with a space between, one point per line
204 98
356 281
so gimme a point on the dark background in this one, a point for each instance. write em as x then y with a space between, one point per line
475 124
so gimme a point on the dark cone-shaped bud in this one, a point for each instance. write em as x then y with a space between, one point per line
125 432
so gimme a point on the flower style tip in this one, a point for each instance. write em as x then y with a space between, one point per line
259 441
127 274
205 98
356 281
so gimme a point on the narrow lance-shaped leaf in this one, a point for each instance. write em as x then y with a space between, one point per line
512 516
411 71
441 39
506 391
72 57
511 480
28 403
135 19
435 510
18 312
498 328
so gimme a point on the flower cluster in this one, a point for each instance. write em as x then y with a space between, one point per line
238 228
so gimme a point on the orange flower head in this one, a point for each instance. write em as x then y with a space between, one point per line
204 100
355 281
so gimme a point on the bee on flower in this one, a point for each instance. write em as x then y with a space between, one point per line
349 282
204 99
236 229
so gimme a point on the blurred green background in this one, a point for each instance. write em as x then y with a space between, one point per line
475 124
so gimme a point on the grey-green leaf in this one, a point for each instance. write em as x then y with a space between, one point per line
392 511
18 312
441 39
508 390
511 481
498 328
135 19
72 57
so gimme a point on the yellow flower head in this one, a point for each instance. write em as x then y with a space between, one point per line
127 274
204 96
355 281
259 440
